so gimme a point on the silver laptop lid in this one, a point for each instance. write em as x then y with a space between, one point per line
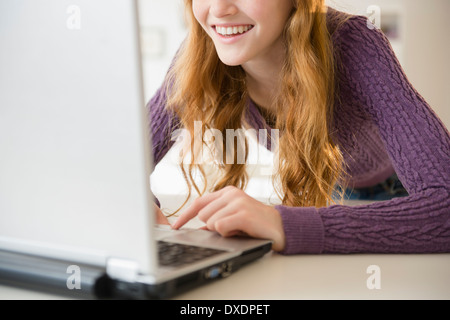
74 153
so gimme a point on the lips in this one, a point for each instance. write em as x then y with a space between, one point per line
230 31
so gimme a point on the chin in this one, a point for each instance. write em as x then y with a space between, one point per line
231 61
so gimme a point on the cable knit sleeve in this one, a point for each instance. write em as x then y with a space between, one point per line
162 124
418 145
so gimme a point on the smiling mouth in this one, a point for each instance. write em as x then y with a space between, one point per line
232 31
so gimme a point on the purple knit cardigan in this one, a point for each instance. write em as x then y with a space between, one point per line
383 126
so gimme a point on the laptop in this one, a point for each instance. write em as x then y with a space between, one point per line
76 208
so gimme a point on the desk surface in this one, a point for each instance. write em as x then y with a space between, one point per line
276 277
319 277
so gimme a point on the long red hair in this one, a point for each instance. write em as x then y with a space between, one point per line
202 88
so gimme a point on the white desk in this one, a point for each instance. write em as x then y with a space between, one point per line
318 277
334 277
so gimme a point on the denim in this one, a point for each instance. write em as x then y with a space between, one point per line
387 190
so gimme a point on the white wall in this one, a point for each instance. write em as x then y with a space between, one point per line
427 44
162 30
423 47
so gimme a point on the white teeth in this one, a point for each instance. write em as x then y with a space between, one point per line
228 31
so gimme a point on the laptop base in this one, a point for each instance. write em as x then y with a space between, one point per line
61 278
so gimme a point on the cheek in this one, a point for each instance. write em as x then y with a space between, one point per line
257 9
271 11
200 11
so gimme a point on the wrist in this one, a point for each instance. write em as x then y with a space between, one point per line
279 239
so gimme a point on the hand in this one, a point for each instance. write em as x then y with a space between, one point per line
160 217
231 211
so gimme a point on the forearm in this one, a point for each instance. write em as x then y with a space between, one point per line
418 223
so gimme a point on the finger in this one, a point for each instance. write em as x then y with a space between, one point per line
237 234
227 209
233 225
212 208
194 208
160 217
244 224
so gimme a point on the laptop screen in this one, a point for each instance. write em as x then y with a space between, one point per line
74 154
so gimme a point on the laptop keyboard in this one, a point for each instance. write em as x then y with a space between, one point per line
175 254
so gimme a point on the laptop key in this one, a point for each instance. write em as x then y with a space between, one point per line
176 254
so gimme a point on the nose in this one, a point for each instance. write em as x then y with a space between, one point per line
223 8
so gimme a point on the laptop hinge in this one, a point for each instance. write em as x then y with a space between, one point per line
122 269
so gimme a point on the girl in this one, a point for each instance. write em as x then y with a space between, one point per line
348 119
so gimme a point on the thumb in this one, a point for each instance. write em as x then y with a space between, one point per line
160 217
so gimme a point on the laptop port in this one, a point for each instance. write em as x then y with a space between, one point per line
227 269
224 270
213 272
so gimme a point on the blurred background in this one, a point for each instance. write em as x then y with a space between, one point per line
417 30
